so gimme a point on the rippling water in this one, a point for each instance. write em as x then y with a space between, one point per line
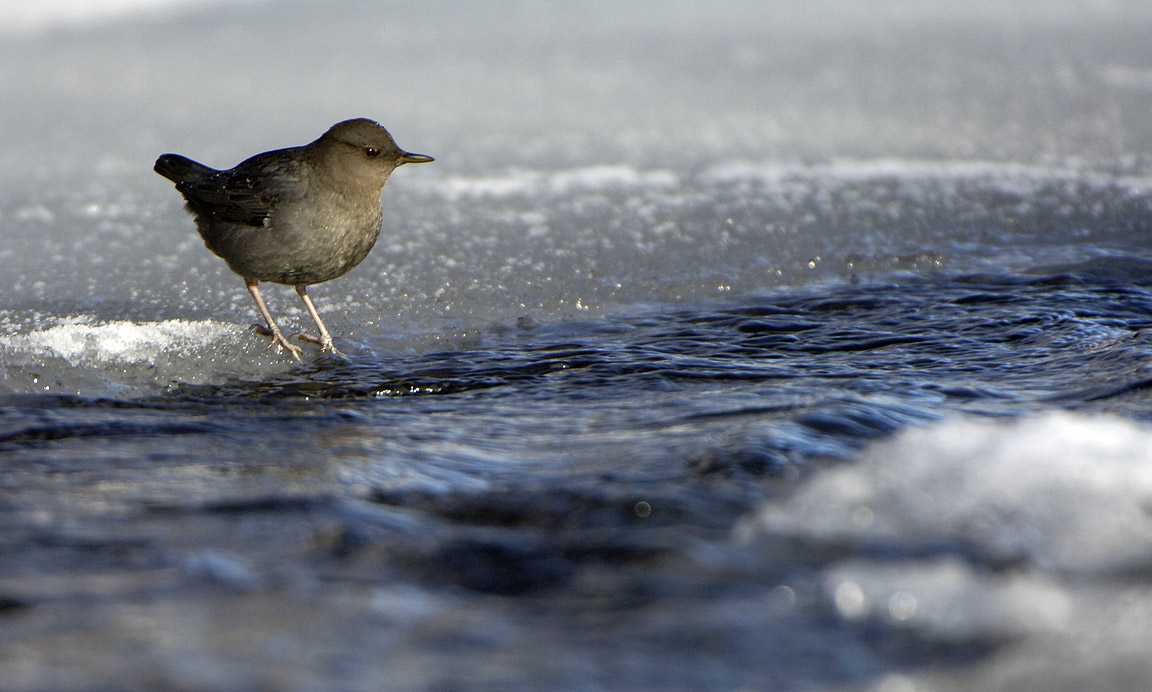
754 385
578 467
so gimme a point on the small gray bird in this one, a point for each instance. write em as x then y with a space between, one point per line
297 216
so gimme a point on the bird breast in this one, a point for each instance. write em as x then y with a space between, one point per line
305 242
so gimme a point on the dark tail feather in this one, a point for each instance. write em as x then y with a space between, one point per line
180 169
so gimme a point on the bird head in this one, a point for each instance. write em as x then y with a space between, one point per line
361 148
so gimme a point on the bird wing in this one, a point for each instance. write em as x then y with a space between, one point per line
250 192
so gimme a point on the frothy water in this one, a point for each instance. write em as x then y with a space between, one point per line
77 340
1031 561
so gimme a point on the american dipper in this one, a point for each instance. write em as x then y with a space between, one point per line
297 216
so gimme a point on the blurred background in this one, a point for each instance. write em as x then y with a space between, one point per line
667 83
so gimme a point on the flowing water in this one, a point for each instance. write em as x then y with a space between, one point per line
725 346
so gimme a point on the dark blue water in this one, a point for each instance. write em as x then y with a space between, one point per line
562 490
768 381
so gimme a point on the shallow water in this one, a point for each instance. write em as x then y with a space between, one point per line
606 475
810 351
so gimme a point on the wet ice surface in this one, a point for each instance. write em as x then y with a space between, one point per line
477 255
719 349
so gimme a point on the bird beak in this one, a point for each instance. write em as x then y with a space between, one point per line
415 158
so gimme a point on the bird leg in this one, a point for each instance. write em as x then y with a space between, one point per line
325 340
272 331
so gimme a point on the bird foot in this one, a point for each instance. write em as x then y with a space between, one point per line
276 334
325 345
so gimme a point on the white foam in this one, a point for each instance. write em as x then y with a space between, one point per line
1035 532
1064 492
82 340
949 598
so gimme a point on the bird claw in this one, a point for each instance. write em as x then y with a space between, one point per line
281 342
285 343
325 345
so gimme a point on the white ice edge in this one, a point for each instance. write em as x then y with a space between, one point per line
80 339
522 181
855 170
528 182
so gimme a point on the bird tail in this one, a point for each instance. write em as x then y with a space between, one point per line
180 169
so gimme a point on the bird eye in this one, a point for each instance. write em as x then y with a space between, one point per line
371 152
